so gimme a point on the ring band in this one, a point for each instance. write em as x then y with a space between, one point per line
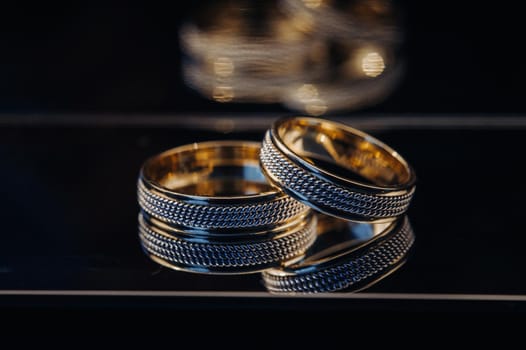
337 170
213 186
352 263
225 254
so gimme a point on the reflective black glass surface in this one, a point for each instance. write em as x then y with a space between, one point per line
69 209
89 92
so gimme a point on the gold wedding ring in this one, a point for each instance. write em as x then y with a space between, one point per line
337 170
213 186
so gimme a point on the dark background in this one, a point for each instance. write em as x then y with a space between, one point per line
69 206
462 57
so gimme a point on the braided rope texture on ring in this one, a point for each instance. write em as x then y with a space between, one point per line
232 255
208 216
319 191
369 265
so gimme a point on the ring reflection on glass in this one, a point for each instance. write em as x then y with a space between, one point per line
345 256
213 186
337 170
205 252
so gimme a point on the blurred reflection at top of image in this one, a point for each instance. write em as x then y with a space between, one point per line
311 56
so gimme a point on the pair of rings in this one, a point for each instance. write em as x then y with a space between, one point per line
240 207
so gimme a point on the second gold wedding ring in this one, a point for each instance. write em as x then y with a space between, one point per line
337 170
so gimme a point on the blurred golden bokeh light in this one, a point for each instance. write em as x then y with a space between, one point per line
312 4
223 93
373 64
314 56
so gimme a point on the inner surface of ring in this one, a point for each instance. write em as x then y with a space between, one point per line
226 170
337 151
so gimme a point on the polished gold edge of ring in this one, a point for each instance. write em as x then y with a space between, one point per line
329 193
269 209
